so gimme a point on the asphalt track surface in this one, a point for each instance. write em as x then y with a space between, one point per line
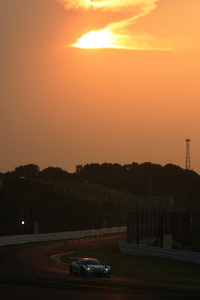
36 272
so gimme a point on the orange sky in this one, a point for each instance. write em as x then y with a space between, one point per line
62 106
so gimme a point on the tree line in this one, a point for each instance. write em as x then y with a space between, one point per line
138 179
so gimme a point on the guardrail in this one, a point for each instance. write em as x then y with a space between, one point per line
185 256
67 235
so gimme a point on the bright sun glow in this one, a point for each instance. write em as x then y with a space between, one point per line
97 39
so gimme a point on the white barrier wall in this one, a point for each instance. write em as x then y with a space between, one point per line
140 250
56 236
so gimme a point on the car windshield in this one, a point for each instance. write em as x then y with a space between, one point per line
90 262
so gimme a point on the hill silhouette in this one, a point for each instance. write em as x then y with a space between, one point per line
55 187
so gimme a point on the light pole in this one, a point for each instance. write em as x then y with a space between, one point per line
149 181
31 214
69 202
150 203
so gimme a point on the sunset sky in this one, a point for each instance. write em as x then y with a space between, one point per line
87 81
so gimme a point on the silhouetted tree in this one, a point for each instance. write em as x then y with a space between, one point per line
54 173
79 168
30 171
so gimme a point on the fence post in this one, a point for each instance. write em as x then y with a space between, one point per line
137 228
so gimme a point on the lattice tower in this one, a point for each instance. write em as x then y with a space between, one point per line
187 162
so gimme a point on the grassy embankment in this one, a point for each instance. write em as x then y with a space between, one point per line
54 196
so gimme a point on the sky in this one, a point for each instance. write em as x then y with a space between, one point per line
85 81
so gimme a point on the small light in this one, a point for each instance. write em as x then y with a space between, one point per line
23 222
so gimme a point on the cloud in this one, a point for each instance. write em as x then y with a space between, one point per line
120 36
111 5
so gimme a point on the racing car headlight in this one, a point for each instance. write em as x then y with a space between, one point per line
88 269
106 269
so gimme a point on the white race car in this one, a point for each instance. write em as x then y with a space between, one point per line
90 267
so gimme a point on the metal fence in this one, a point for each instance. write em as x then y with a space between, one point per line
140 225
148 224
182 223
14 223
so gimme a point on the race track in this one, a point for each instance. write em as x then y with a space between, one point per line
42 261
37 260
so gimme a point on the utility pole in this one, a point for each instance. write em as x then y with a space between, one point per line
187 162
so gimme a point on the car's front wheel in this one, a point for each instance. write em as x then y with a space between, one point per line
82 271
70 270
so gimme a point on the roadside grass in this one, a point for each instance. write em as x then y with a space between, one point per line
144 268
191 242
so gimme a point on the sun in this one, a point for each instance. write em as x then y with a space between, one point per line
97 39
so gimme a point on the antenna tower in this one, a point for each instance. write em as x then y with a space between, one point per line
187 162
